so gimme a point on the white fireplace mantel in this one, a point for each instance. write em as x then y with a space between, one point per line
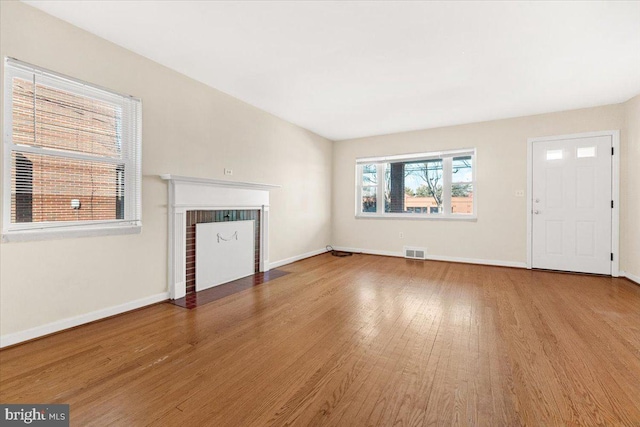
189 193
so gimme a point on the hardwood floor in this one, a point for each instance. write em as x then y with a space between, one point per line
362 340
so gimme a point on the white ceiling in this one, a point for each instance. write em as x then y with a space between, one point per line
352 69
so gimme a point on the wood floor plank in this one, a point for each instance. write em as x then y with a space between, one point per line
358 394
361 340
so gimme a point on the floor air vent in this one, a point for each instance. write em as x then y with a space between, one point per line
415 253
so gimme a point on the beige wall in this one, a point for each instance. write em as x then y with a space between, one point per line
188 129
630 190
499 234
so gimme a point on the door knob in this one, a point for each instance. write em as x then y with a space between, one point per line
536 212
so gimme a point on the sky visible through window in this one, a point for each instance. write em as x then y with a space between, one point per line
462 172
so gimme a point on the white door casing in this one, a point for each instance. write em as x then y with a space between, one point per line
572 222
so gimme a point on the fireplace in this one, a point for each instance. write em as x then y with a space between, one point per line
206 217
191 199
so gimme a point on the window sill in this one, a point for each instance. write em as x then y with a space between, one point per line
469 218
71 232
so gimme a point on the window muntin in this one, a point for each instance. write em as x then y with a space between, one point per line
72 154
425 185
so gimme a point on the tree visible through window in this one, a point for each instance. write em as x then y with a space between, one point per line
440 185
369 186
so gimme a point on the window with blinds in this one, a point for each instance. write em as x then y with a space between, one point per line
72 155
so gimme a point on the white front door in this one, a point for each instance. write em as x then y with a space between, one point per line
572 204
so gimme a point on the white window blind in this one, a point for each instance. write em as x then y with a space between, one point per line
72 154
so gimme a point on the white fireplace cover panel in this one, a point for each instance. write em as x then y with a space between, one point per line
225 251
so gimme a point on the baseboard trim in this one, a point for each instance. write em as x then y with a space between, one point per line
491 262
71 322
368 251
286 261
630 276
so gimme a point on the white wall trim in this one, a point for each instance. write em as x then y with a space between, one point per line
218 182
615 212
60 325
615 192
630 276
369 251
67 232
497 263
286 261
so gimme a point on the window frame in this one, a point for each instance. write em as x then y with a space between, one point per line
25 231
447 170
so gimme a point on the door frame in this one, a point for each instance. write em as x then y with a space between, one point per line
615 192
